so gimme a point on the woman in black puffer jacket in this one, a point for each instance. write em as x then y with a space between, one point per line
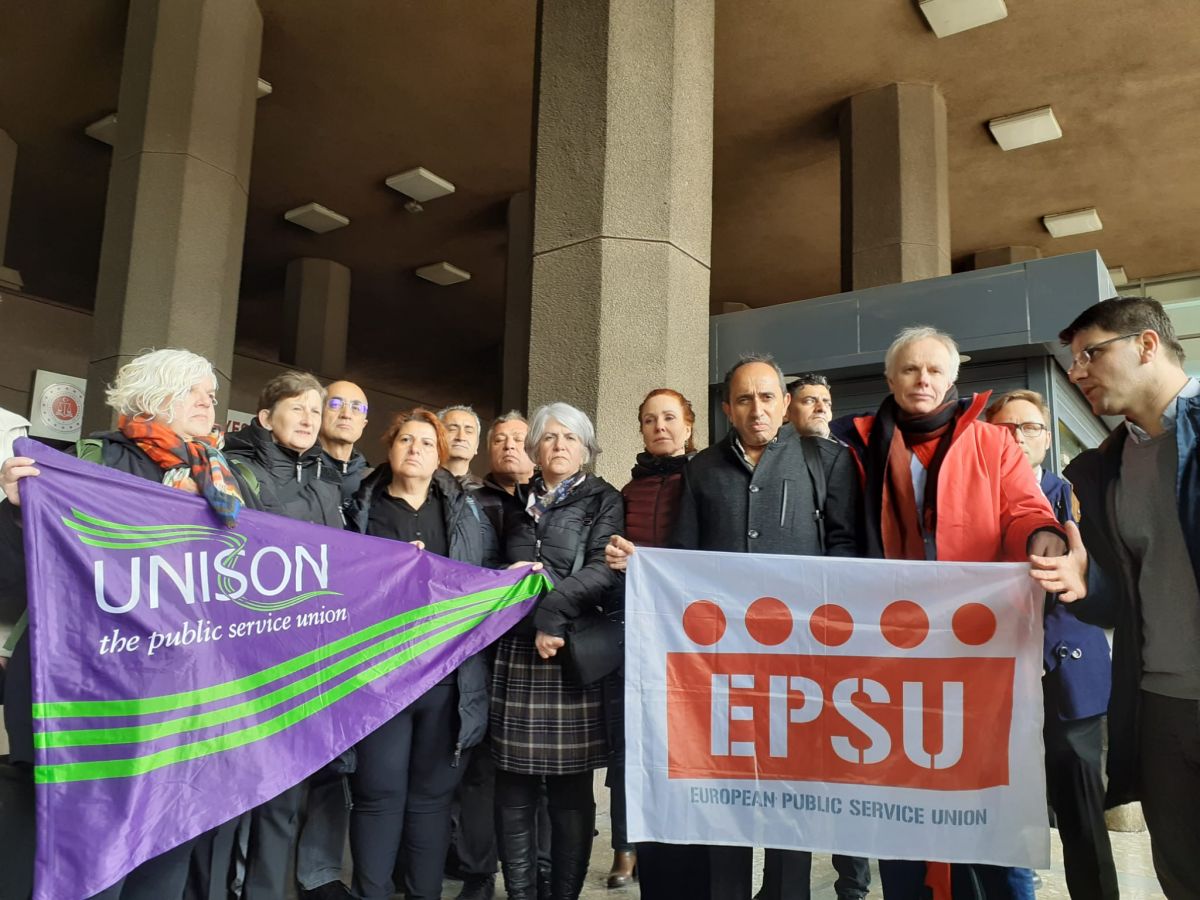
409 768
279 452
543 724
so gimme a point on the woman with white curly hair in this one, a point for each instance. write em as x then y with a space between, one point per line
165 402
548 719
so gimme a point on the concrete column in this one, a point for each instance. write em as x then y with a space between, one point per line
175 219
10 279
316 316
895 192
518 286
622 211
1003 256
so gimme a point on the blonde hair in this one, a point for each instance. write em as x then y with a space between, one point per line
148 384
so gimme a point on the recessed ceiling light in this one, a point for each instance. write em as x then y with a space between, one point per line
947 17
316 217
443 273
1117 274
264 88
420 184
103 130
1079 221
1025 128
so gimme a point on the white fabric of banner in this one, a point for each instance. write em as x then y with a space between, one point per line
868 707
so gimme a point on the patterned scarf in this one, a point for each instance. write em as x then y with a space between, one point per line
195 466
541 498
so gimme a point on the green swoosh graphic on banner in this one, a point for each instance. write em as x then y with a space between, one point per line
95 532
140 765
134 734
529 586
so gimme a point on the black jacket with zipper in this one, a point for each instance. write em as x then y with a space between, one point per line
593 512
289 483
465 538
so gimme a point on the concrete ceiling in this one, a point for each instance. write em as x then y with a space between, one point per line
367 89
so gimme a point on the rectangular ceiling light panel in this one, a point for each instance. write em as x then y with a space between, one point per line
1117 274
420 184
1034 126
1079 221
443 273
947 17
316 217
264 88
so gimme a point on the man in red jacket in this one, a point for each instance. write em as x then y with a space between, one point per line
942 485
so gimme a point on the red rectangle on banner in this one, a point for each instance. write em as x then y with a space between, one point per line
937 724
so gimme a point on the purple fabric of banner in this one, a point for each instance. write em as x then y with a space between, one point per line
185 673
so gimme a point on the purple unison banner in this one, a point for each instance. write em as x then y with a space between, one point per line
184 672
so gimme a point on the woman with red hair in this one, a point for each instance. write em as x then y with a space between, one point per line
651 497
409 768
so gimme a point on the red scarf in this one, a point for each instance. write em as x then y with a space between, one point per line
205 470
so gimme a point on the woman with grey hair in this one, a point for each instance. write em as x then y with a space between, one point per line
546 723
166 406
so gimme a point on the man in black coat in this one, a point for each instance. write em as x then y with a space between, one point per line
758 490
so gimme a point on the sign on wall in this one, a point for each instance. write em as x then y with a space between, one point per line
56 406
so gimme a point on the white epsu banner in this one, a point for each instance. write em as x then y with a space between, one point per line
873 708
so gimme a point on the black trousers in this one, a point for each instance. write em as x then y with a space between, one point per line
403 787
18 824
473 846
618 811
669 871
272 844
1075 784
786 873
1170 764
161 878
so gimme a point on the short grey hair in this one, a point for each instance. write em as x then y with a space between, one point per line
746 359
513 415
461 407
150 383
574 420
914 333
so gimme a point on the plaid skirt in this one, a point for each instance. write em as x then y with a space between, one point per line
540 723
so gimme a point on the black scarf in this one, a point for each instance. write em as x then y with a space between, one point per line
879 447
649 465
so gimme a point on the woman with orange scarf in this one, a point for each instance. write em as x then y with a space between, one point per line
166 406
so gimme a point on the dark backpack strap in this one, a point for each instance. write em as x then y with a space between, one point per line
816 471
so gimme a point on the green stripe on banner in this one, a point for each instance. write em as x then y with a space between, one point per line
140 765
89 737
529 586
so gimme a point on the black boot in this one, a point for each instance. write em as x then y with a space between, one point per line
518 850
571 832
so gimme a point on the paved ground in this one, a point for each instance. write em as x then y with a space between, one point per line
1131 850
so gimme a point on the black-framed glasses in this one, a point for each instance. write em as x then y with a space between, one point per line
1085 356
1028 429
357 406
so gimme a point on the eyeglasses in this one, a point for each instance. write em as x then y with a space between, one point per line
357 406
1084 357
1029 429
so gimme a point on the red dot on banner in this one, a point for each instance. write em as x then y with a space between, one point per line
704 622
831 624
974 624
769 621
904 624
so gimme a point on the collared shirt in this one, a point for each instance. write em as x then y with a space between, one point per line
740 450
1139 436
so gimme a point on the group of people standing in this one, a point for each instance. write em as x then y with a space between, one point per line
497 760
